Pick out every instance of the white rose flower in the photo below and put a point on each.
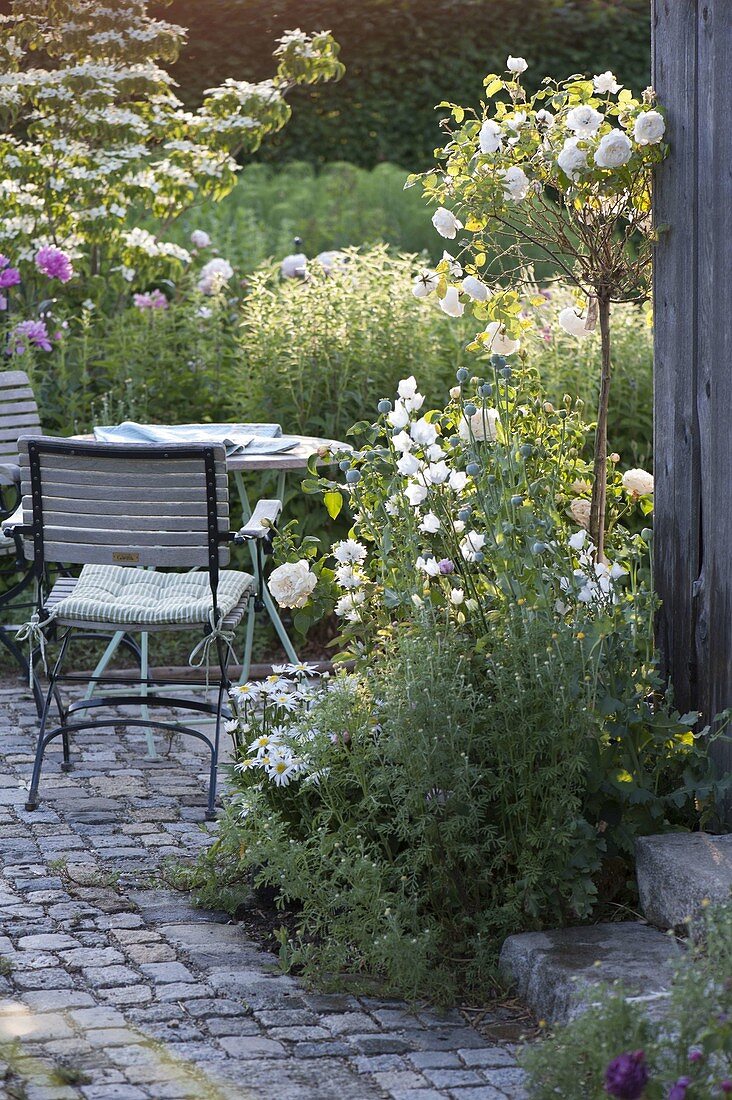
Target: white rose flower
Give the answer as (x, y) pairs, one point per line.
(638, 482)
(415, 494)
(214, 275)
(423, 433)
(490, 138)
(516, 64)
(200, 239)
(451, 304)
(649, 128)
(475, 289)
(516, 121)
(572, 160)
(398, 417)
(409, 465)
(446, 224)
(515, 183)
(614, 150)
(430, 524)
(579, 510)
(584, 121)
(617, 572)
(425, 283)
(471, 545)
(435, 452)
(457, 596)
(499, 343)
(606, 82)
(545, 118)
(480, 426)
(292, 583)
(572, 323)
(577, 540)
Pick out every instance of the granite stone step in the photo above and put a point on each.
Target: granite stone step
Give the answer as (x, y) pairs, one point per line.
(557, 973)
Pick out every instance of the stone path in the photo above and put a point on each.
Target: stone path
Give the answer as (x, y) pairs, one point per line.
(114, 988)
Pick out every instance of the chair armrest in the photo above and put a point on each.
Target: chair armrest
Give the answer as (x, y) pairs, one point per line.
(13, 523)
(9, 474)
(261, 521)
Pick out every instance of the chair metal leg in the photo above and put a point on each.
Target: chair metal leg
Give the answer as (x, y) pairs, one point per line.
(32, 801)
(246, 661)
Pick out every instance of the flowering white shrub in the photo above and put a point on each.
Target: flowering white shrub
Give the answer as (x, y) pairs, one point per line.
(100, 131)
(566, 173)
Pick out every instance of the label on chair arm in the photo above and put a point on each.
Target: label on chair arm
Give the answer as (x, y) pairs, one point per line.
(125, 555)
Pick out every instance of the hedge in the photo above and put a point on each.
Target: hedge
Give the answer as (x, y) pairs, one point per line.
(402, 57)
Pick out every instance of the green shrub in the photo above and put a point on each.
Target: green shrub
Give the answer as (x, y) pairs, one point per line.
(338, 207)
(689, 1047)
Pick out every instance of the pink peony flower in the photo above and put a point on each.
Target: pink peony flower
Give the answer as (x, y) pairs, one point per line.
(54, 263)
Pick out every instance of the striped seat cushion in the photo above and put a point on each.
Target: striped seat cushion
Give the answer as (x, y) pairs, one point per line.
(115, 594)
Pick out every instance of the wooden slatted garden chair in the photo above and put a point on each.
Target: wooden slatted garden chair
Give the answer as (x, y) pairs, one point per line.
(113, 508)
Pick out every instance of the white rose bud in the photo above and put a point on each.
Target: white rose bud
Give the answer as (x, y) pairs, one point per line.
(516, 64)
(579, 510)
(292, 583)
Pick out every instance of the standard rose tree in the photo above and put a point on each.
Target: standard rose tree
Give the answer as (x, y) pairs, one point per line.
(564, 175)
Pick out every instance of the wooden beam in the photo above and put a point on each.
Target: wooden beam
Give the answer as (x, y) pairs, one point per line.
(692, 60)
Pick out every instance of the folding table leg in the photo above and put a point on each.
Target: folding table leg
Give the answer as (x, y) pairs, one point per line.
(152, 752)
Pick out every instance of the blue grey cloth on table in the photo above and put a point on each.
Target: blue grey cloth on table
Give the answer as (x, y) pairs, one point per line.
(237, 438)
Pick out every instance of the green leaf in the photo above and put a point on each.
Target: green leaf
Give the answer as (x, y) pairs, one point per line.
(334, 503)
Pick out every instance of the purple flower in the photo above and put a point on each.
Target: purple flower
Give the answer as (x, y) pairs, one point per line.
(726, 1086)
(696, 1056)
(627, 1076)
(9, 276)
(446, 567)
(678, 1091)
(54, 263)
(154, 300)
(27, 334)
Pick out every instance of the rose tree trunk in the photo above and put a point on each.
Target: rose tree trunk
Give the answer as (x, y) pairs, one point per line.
(599, 484)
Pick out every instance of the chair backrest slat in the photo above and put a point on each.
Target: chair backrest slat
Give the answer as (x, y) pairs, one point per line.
(18, 411)
(124, 504)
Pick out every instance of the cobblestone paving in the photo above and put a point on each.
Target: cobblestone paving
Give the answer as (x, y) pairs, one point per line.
(112, 988)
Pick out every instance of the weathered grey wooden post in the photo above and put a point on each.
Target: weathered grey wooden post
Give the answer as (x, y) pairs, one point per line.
(692, 73)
